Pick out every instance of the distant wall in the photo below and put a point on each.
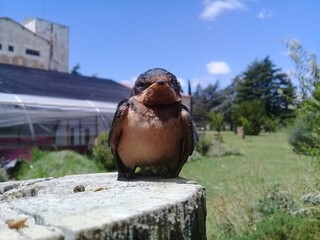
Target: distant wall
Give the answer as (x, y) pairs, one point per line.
(58, 37)
(37, 43)
(20, 46)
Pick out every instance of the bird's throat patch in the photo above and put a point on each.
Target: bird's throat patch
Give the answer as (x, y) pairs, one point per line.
(158, 94)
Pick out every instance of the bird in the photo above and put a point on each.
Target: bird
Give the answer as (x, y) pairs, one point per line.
(152, 130)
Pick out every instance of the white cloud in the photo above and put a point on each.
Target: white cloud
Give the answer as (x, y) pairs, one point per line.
(264, 14)
(216, 68)
(213, 8)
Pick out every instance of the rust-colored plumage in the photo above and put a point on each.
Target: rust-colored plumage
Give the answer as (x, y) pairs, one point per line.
(152, 129)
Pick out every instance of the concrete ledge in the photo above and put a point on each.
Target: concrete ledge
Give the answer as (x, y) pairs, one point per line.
(106, 209)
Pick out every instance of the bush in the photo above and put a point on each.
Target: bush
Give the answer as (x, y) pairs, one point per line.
(3, 175)
(276, 201)
(203, 145)
(250, 115)
(57, 164)
(301, 137)
(102, 154)
(284, 226)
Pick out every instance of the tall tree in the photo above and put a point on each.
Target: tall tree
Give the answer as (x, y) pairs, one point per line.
(264, 82)
(228, 96)
(306, 66)
(204, 100)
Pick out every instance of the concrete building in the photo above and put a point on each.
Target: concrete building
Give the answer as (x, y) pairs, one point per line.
(35, 43)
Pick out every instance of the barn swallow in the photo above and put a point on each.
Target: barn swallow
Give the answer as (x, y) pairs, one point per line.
(152, 129)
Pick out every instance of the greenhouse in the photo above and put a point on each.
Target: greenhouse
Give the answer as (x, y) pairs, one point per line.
(59, 111)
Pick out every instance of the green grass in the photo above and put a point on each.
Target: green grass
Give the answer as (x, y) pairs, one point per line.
(235, 184)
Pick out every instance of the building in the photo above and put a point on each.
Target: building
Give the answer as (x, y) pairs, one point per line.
(53, 110)
(35, 43)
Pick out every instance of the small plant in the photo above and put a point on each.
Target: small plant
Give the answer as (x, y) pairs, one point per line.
(216, 123)
(272, 124)
(57, 164)
(275, 201)
(203, 145)
(284, 226)
(3, 175)
(102, 154)
(37, 154)
(301, 136)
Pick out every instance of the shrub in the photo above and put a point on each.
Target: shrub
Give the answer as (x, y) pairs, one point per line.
(271, 124)
(203, 145)
(36, 154)
(301, 137)
(216, 123)
(101, 153)
(57, 164)
(276, 201)
(284, 226)
(250, 115)
(3, 175)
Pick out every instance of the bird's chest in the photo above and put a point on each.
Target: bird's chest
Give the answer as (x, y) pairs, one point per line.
(150, 138)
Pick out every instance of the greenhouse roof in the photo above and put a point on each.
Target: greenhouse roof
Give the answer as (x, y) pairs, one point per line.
(36, 82)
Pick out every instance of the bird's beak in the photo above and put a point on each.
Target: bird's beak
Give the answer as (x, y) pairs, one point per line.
(159, 93)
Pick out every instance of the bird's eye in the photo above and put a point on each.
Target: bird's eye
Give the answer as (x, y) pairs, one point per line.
(141, 85)
(175, 85)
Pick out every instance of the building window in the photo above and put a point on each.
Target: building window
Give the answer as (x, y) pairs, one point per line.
(0, 46)
(32, 52)
(10, 48)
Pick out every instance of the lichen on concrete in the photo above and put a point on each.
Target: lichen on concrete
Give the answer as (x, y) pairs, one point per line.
(104, 208)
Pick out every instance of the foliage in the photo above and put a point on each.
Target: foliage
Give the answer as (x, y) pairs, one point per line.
(101, 153)
(305, 136)
(271, 124)
(301, 137)
(3, 175)
(264, 82)
(307, 68)
(56, 164)
(228, 96)
(284, 226)
(203, 145)
(274, 201)
(216, 122)
(250, 115)
(205, 100)
(37, 153)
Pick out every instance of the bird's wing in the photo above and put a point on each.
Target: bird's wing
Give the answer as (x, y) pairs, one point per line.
(116, 126)
(187, 142)
(116, 131)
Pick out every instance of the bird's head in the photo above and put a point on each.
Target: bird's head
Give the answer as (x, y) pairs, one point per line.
(157, 87)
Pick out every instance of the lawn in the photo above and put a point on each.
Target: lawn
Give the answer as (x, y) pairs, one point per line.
(235, 184)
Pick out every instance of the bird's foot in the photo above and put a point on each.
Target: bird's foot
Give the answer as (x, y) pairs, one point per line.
(124, 176)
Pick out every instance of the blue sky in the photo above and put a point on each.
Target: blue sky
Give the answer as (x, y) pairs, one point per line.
(198, 40)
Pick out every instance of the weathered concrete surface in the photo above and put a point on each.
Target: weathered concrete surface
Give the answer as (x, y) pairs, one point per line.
(107, 209)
